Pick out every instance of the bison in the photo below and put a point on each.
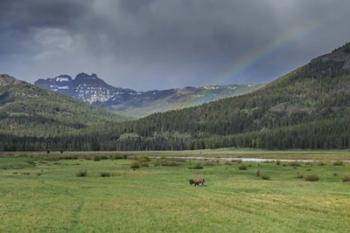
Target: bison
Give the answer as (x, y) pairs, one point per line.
(197, 181)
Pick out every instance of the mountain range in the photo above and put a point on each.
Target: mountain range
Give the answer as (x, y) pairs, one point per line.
(137, 104)
(306, 108)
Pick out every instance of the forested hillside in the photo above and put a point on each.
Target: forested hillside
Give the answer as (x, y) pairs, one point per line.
(31, 111)
(307, 108)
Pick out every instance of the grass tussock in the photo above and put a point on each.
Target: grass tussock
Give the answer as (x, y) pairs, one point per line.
(346, 178)
(338, 163)
(69, 157)
(82, 173)
(105, 174)
(258, 173)
(195, 166)
(119, 157)
(167, 163)
(312, 178)
(295, 164)
(143, 159)
(265, 177)
(243, 167)
(135, 165)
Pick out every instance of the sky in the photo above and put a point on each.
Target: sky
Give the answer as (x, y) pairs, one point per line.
(158, 44)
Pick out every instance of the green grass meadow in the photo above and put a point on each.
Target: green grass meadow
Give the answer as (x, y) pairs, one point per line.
(39, 194)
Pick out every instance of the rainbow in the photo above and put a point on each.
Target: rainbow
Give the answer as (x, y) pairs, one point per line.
(244, 63)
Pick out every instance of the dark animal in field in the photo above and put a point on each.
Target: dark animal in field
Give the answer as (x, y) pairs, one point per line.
(197, 181)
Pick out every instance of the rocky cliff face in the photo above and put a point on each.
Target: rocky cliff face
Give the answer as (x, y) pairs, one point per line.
(88, 88)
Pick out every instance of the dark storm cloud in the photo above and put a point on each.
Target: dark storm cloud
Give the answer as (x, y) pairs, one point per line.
(20, 21)
(148, 44)
(41, 13)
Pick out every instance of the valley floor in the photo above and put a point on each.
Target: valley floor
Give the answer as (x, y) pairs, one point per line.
(45, 193)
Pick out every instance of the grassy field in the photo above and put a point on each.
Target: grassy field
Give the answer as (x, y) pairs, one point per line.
(39, 194)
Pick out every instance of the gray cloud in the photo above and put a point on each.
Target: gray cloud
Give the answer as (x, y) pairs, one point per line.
(147, 44)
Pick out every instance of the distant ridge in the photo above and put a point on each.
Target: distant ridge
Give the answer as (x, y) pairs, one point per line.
(135, 104)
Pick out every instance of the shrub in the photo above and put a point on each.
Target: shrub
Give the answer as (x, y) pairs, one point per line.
(38, 173)
(312, 178)
(335, 174)
(243, 167)
(300, 176)
(156, 163)
(100, 157)
(143, 159)
(105, 174)
(265, 177)
(346, 178)
(69, 157)
(278, 162)
(338, 163)
(135, 165)
(308, 170)
(295, 164)
(115, 157)
(169, 163)
(321, 164)
(258, 173)
(81, 173)
(196, 166)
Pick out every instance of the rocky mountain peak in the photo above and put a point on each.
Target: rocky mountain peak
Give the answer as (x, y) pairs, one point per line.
(85, 76)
